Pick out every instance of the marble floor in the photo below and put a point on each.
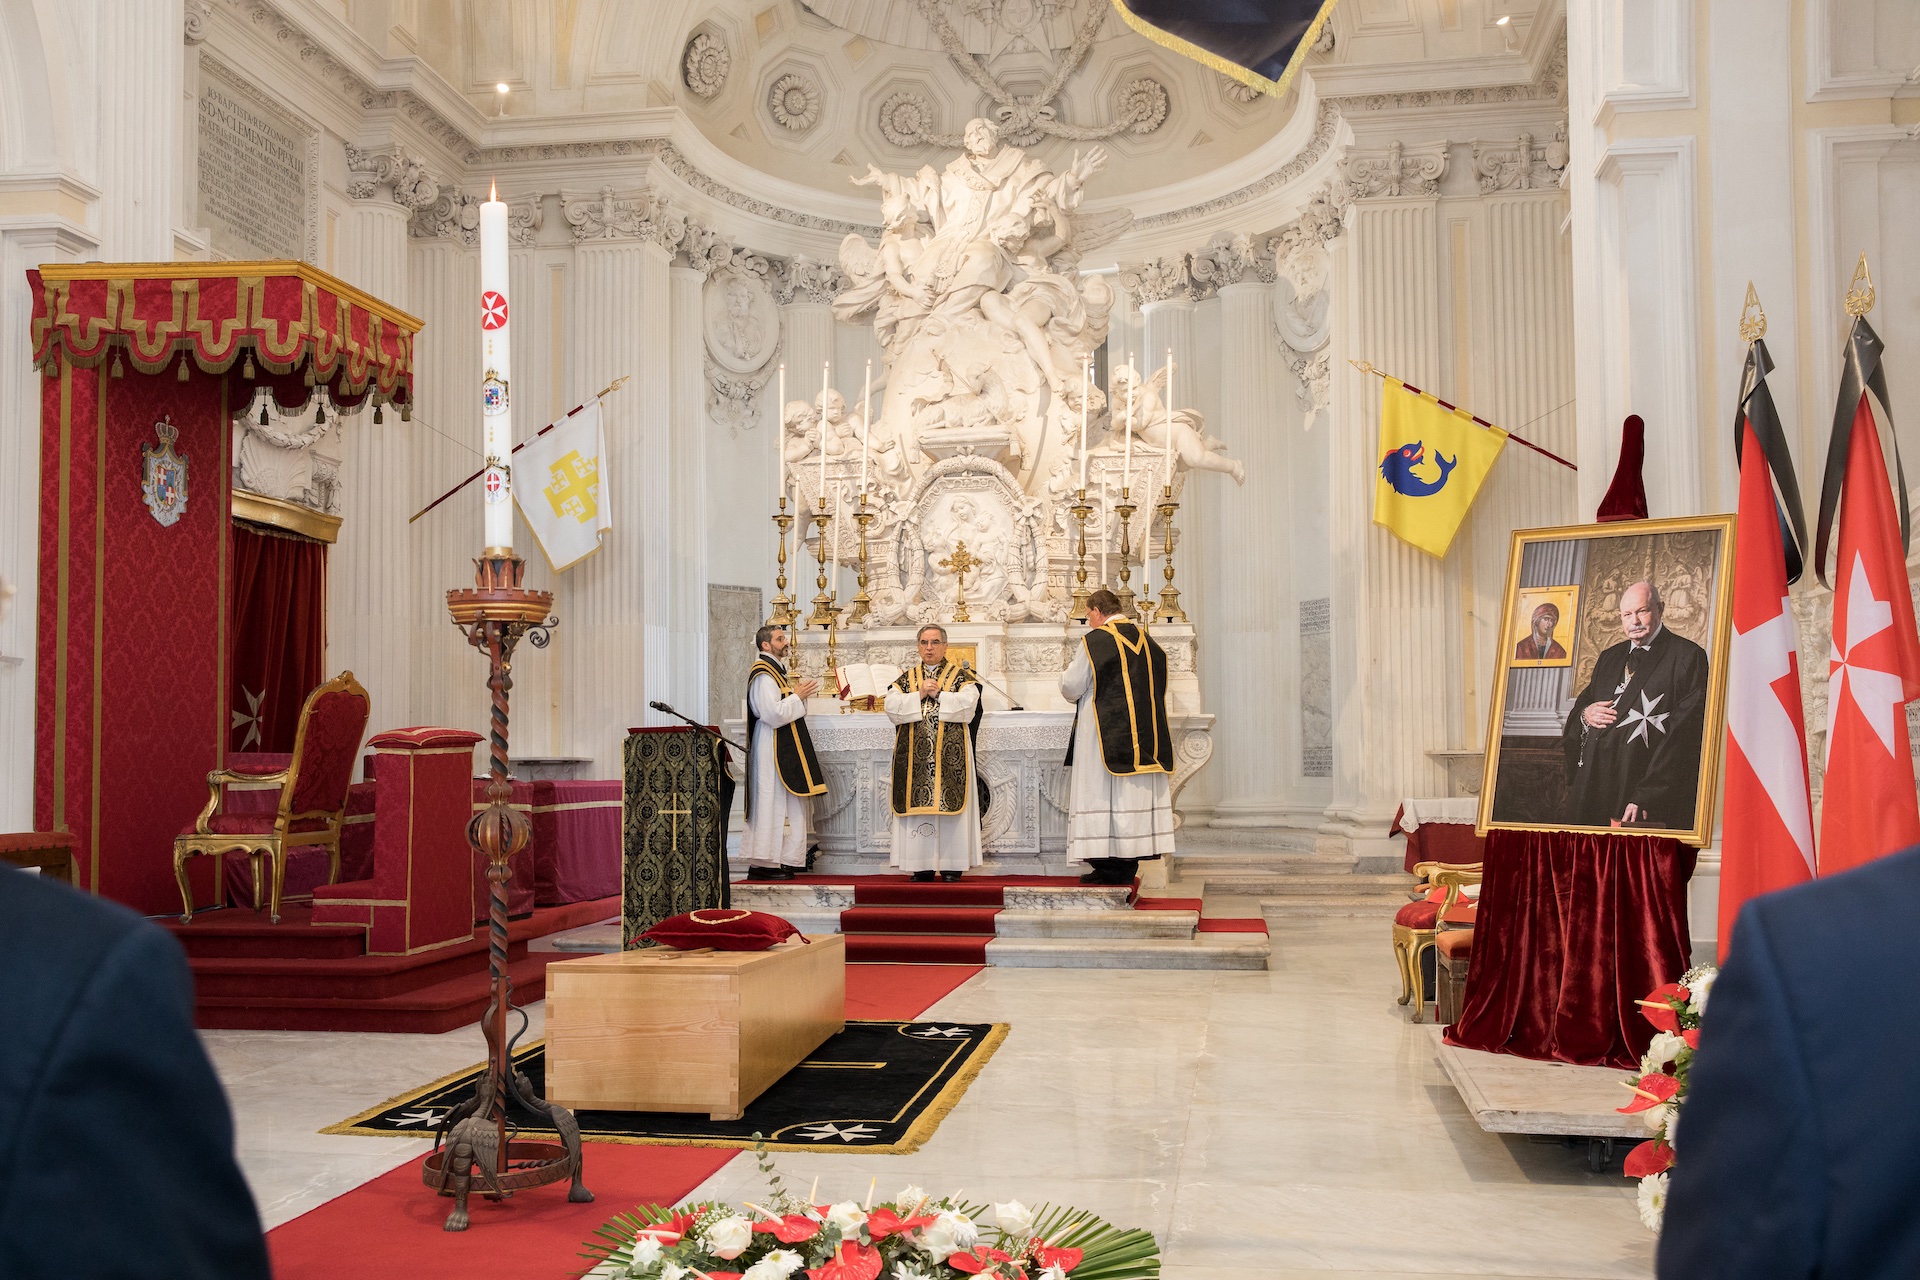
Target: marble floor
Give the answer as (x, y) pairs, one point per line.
(1264, 1125)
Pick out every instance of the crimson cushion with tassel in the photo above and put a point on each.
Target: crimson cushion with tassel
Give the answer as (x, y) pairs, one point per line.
(722, 930)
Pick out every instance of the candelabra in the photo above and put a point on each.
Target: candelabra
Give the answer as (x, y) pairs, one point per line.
(862, 606)
(782, 615)
(823, 610)
(1081, 509)
(1126, 508)
(473, 1145)
(1170, 610)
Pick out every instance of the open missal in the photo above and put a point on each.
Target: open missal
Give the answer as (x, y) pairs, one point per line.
(865, 684)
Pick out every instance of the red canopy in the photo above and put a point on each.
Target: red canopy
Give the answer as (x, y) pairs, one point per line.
(301, 326)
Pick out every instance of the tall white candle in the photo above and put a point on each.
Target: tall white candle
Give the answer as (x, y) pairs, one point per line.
(780, 439)
(1169, 415)
(496, 364)
(833, 583)
(1126, 466)
(826, 372)
(1086, 393)
(1106, 530)
(866, 424)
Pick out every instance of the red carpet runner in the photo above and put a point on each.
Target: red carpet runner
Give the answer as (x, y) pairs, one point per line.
(389, 1228)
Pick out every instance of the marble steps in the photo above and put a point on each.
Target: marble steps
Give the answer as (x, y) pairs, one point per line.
(1203, 951)
(1305, 908)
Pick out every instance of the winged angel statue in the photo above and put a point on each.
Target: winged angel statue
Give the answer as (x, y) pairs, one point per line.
(975, 294)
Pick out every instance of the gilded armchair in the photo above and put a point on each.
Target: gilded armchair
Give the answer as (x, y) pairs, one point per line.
(1438, 903)
(313, 798)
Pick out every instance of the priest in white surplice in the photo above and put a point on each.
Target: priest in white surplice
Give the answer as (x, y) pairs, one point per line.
(935, 707)
(1121, 758)
(782, 771)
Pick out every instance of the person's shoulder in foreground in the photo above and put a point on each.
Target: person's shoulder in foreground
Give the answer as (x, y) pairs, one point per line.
(116, 1143)
(1795, 1151)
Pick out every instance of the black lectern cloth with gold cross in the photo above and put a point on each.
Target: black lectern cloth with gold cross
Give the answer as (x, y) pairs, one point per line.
(678, 793)
(930, 754)
(1129, 700)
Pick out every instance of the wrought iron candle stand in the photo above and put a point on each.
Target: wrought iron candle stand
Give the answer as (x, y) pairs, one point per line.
(1081, 509)
(474, 1147)
(1170, 610)
(1126, 508)
(782, 603)
(862, 605)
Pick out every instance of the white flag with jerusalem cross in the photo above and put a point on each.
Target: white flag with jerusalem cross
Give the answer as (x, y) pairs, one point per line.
(560, 484)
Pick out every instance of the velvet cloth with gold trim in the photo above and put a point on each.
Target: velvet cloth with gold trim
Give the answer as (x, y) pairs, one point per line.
(1260, 43)
(674, 827)
(1129, 700)
(931, 756)
(800, 771)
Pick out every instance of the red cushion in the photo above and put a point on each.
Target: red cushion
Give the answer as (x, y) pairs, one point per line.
(723, 930)
(1462, 912)
(422, 739)
(1455, 943)
(1417, 915)
(253, 824)
(35, 841)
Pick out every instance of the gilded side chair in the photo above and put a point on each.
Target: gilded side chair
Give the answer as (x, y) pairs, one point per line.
(1437, 902)
(313, 799)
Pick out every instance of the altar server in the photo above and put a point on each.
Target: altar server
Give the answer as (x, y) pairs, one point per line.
(1121, 755)
(782, 771)
(935, 708)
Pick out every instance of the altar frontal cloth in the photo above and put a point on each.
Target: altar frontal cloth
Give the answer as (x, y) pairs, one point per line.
(878, 1088)
(674, 831)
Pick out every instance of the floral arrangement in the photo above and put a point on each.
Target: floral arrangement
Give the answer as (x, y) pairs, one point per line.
(1674, 1009)
(914, 1236)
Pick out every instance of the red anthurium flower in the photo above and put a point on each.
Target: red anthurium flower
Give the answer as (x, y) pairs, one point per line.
(670, 1231)
(884, 1222)
(979, 1260)
(791, 1229)
(1658, 1009)
(854, 1261)
(1651, 1091)
(1692, 1036)
(1065, 1259)
(1648, 1158)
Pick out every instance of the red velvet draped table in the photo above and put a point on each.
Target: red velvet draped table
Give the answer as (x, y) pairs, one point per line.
(1573, 928)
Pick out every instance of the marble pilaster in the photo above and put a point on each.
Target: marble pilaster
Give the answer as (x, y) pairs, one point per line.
(138, 68)
(686, 669)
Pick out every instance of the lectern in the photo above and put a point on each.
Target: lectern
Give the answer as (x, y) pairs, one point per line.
(674, 829)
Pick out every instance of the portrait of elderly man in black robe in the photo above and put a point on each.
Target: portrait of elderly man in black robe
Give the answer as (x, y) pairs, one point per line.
(1633, 738)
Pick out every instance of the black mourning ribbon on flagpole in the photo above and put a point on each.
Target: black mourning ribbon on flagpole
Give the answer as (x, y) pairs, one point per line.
(1756, 410)
(1861, 372)
(1263, 39)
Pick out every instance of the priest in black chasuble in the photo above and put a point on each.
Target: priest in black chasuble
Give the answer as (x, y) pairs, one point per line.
(935, 708)
(1120, 759)
(1633, 738)
(782, 771)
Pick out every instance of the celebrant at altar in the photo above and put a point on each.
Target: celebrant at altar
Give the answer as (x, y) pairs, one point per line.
(782, 771)
(1121, 754)
(935, 708)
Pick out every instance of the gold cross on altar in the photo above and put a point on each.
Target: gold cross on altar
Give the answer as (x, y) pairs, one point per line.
(676, 815)
(959, 564)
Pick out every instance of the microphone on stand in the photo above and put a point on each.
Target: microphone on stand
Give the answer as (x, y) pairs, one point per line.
(704, 728)
(1013, 702)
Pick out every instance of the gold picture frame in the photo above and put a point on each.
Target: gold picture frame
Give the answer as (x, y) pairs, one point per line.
(1534, 757)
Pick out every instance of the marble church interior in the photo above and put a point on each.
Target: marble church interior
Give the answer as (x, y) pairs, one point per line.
(1545, 211)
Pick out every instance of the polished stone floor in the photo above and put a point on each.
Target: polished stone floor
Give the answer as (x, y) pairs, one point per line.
(1263, 1125)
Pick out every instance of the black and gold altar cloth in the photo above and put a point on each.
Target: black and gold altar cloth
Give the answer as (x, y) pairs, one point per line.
(930, 755)
(1129, 699)
(674, 828)
(877, 1088)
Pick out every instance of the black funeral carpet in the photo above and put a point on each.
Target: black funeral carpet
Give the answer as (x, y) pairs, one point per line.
(877, 1087)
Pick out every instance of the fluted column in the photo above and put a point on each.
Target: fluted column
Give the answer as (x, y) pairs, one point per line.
(618, 600)
(810, 344)
(1395, 626)
(1249, 627)
(686, 675)
(369, 570)
(137, 94)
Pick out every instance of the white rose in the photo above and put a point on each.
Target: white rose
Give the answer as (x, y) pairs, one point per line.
(847, 1216)
(909, 1197)
(674, 1271)
(1659, 1118)
(728, 1238)
(1053, 1273)
(1653, 1200)
(777, 1265)
(949, 1233)
(1665, 1048)
(646, 1252)
(1699, 988)
(1014, 1218)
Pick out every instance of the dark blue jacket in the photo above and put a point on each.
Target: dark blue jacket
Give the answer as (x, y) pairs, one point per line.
(116, 1145)
(1798, 1147)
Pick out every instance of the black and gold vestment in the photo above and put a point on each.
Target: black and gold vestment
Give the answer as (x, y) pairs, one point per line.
(930, 755)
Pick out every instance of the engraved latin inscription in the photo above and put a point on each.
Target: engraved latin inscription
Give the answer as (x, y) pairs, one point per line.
(253, 179)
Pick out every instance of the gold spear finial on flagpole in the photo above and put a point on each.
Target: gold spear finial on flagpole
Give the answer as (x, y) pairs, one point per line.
(1860, 292)
(1753, 318)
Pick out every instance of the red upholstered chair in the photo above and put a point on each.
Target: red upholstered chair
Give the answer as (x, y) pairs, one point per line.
(313, 797)
(1453, 954)
(1416, 925)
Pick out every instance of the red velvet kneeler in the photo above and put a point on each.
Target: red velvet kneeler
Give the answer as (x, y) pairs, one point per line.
(1573, 928)
(423, 868)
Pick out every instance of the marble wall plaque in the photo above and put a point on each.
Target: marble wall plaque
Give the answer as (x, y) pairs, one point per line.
(733, 615)
(257, 173)
(1316, 688)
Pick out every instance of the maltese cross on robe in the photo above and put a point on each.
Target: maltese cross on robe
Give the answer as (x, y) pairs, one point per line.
(1642, 716)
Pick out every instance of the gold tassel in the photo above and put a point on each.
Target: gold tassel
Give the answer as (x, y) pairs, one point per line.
(246, 370)
(116, 371)
(377, 418)
(183, 364)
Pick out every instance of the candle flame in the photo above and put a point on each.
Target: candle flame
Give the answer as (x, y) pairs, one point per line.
(493, 190)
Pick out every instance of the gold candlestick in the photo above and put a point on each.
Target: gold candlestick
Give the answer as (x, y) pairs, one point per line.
(1081, 509)
(782, 615)
(862, 606)
(959, 563)
(1126, 508)
(1170, 610)
(822, 615)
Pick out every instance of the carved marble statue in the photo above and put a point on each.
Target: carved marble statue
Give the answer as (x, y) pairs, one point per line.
(1193, 448)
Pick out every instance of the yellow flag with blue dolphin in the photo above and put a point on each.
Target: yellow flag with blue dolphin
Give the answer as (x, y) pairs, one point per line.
(1432, 462)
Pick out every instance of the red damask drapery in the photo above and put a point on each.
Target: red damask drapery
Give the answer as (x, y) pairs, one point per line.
(1573, 928)
(278, 643)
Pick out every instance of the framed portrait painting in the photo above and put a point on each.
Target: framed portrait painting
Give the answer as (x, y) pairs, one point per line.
(1609, 704)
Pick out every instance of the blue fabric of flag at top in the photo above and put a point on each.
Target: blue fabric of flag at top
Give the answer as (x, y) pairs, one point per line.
(1258, 42)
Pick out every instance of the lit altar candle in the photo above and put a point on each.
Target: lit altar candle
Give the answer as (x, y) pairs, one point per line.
(780, 439)
(496, 364)
(826, 372)
(1126, 466)
(1086, 393)
(866, 425)
(1169, 416)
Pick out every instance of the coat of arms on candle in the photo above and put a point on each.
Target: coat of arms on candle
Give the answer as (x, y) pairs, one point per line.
(493, 394)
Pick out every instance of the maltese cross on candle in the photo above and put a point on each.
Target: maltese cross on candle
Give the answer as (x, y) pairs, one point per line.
(496, 358)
